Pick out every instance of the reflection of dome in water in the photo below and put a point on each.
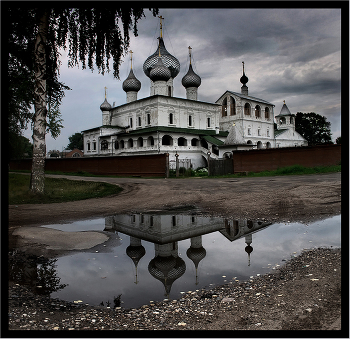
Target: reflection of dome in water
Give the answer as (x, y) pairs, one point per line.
(167, 270)
(196, 254)
(249, 249)
(135, 253)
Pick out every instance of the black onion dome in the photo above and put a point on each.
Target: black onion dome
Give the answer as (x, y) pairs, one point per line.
(249, 249)
(131, 83)
(167, 270)
(135, 253)
(105, 106)
(191, 79)
(168, 60)
(244, 79)
(196, 254)
(159, 72)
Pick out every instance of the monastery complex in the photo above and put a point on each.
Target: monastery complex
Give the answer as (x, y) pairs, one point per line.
(185, 127)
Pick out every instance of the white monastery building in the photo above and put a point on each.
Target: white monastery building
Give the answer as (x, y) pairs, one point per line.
(185, 127)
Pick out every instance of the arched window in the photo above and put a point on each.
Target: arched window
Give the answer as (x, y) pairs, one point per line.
(88, 145)
(208, 122)
(291, 120)
(140, 142)
(246, 109)
(267, 113)
(167, 140)
(259, 144)
(130, 122)
(232, 106)
(139, 121)
(76, 155)
(182, 142)
(249, 142)
(171, 118)
(282, 121)
(116, 144)
(104, 144)
(150, 141)
(257, 111)
(122, 144)
(268, 145)
(130, 143)
(194, 142)
(224, 108)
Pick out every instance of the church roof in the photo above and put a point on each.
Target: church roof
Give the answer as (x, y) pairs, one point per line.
(201, 132)
(280, 131)
(284, 111)
(248, 97)
(213, 140)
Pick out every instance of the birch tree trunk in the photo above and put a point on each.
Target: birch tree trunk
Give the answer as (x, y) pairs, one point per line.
(39, 120)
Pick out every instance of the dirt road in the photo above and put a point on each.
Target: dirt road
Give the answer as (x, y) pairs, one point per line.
(293, 198)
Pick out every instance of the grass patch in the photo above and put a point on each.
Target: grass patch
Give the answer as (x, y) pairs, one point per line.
(289, 170)
(57, 190)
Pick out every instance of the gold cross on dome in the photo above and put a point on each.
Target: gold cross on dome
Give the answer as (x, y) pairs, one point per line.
(105, 92)
(131, 57)
(189, 52)
(161, 26)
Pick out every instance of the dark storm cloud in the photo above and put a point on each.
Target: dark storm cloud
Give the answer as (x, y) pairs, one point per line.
(322, 87)
(300, 34)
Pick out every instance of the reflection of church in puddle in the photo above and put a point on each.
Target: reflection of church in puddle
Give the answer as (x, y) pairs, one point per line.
(166, 230)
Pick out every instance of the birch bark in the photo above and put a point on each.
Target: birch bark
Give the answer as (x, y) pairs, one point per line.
(39, 120)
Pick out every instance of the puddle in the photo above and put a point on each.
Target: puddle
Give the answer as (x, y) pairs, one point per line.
(153, 256)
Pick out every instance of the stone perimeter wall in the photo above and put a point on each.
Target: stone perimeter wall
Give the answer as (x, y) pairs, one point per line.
(274, 158)
(142, 165)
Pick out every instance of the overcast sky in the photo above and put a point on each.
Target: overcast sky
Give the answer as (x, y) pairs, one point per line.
(289, 54)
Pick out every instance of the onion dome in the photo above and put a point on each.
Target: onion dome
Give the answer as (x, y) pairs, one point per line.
(135, 253)
(191, 79)
(244, 79)
(105, 106)
(169, 60)
(159, 72)
(167, 270)
(131, 83)
(196, 254)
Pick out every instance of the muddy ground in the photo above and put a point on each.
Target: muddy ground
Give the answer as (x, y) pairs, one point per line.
(305, 294)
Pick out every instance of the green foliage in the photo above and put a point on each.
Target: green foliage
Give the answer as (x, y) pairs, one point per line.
(57, 190)
(338, 141)
(314, 128)
(76, 141)
(92, 35)
(19, 146)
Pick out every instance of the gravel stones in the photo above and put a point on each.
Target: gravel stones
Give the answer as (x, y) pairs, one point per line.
(284, 299)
